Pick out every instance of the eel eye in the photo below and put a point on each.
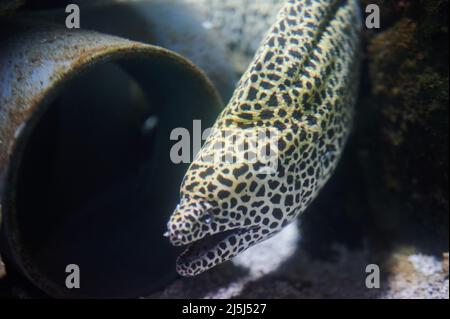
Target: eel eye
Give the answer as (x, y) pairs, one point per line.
(206, 218)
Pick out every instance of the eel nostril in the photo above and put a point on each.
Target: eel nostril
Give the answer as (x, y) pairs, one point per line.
(187, 227)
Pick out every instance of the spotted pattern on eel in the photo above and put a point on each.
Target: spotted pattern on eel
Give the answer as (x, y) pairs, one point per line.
(302, 83)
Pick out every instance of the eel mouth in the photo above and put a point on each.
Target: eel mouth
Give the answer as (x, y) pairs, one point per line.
(211, 250)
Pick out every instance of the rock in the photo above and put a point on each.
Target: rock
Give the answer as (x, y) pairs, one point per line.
(408, 66)
(416, 276)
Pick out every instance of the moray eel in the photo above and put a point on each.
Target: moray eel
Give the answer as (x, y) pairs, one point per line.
(301, 84)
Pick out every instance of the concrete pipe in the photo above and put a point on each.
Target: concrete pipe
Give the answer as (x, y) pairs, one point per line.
(86, 174)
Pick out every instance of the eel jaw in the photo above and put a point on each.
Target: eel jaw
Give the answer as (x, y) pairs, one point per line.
(211, 250)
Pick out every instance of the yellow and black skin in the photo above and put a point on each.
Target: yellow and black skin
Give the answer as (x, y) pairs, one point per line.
(302, 83)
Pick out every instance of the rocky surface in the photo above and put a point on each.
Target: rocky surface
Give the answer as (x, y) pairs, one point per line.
(407, 99)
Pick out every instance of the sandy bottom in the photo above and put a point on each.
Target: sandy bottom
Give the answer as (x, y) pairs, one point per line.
(277, 268)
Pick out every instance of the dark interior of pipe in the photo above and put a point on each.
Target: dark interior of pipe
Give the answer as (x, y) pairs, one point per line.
(95, 184)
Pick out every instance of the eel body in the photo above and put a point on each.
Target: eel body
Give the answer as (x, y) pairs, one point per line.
(300, 87)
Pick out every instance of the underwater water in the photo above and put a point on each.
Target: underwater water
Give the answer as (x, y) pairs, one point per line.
(97, 184)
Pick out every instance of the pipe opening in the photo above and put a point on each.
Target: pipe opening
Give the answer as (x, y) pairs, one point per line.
(94, 184)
